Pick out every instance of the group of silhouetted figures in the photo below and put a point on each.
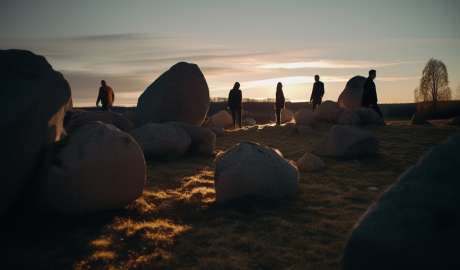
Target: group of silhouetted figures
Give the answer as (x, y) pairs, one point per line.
(369, 98)
(106, 97)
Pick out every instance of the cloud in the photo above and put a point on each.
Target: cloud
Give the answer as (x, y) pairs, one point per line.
(329, 64)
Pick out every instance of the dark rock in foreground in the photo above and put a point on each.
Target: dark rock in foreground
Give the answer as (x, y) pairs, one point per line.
(250, 169)
(35, 98)
(97, 168)
(415, 224)
(180, 94)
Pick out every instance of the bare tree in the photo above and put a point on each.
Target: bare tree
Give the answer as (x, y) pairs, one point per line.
(434, 84)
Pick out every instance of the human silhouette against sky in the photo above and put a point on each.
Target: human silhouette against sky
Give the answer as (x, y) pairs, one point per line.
(317, 93)
(369, 98)
(106, 96)
(279, 103)
(234, 104)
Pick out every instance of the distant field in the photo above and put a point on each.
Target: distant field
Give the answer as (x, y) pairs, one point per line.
(176, 224)
(263, 112)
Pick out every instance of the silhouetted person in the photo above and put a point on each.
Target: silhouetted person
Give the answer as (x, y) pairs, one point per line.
(317, 93)
(369, 99)
(234, 104)
(105, 96)
(279, 103)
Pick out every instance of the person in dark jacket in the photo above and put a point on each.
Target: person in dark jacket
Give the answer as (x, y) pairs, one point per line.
(369, 98)
(234, 104)
(279, 103)
(317, 93)
(106, 96)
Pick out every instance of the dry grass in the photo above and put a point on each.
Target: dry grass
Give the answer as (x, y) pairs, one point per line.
(176, 224)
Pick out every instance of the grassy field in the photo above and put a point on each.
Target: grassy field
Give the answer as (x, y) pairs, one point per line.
(176, 224)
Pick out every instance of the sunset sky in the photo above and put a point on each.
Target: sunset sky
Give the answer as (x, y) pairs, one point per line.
(130, 43)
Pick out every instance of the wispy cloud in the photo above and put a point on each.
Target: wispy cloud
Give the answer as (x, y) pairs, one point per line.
(329, 64)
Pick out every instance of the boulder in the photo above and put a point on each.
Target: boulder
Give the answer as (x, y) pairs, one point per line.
(78, 118)
(251, 169)
(221, 119)
(348, 117)
(219, 131)
(328, 111)
(249, 121)
(203, 140)
(97, 168)
(286, 116)
(351, 96)
(180, 94)
(369, 117)
(164, 141)
(455, 121)
(35, 99)
(310, 163)
(419, 119)
(414, 224)
(305, 117)
(347, 142)
(304, 130)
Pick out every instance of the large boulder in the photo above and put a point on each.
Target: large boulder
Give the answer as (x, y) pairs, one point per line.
(310, 163)
(348, 117)
(415, 223)
(203, 140)
(35, 99)
(347, 142)
(77, 118)
(286, 116)
(180, 94)
(250, 169)
(368, 116)
(97, 168)
(455, 121)
(221, 119)
(328, 111)
(351, 96)
(305, 117)
(163, 141)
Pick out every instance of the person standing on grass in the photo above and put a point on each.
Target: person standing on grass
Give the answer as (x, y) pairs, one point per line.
(279, 103)
(317, 93)
(106, 96)
(369, 98)
(235, 98)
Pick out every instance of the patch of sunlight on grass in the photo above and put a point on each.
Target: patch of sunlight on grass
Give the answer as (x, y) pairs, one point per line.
(156, 230)
(101, 242)
(104, 255)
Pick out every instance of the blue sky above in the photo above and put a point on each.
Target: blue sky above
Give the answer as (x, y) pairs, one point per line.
(130, 43)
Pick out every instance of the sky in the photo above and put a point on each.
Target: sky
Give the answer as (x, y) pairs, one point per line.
(258, 43)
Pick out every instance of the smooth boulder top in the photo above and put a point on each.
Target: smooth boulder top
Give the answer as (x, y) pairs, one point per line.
(251, 169)
(415, 223)
(179, 94)
(162, 141)
(221, 119)
(351, 96)
(305, 117)
(347, 142)
(97, 168)
(77, 118)
(36, 98)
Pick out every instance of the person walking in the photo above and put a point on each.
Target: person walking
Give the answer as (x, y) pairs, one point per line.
(317, 93)
(235, 104)
(279, 103)
(106, 96)
(369, 98)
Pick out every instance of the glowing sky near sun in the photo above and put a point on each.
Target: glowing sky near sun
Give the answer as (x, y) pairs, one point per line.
(130, 43)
